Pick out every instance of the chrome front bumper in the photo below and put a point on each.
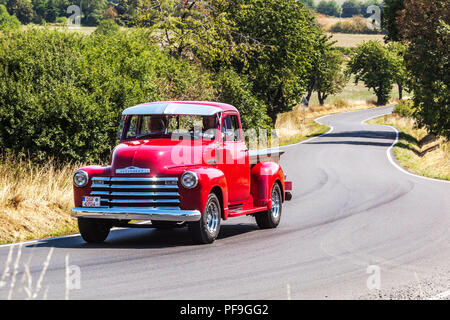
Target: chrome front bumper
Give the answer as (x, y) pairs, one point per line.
(117, 213)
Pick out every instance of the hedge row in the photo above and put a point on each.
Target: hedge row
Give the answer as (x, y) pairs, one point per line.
(61, 94)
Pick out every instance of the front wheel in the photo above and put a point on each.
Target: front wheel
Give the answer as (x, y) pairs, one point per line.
(93, 230)
(271, 218)
(207, 228)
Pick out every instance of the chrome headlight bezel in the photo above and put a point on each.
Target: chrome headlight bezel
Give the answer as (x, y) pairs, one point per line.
(80, 179)
(189, 175)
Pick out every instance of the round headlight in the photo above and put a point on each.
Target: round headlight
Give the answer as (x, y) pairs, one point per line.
(189, 180)
(80, 179)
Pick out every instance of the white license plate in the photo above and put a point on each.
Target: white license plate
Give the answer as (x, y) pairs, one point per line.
(91, 202)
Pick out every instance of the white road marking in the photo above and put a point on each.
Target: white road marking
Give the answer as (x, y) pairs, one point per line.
(38, 240)
(389, 152)
(313, 138)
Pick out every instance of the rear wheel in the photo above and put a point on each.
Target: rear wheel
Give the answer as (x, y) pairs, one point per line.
(271, 218)
(93, 230)
(207, 228)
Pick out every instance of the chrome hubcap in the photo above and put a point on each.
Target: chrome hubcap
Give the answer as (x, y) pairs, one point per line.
(275, 204)
(212, 217)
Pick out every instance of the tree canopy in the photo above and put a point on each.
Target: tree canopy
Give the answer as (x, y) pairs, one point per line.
(373, 64)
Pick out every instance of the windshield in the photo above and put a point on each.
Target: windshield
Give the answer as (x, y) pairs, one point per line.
(170, 126)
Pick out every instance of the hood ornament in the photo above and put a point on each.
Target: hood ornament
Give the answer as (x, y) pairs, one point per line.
(132, 170)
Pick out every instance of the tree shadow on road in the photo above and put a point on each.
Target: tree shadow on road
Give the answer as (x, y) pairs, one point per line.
(357, 143)
(367, 134)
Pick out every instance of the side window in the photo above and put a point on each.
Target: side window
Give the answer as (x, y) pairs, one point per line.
(236, 129)
(230, 128)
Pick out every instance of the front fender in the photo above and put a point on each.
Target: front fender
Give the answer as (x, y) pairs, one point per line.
(79, 193)
(264, 174)
(208, 179)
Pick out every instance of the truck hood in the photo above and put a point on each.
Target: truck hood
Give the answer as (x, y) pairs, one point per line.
(160, 155)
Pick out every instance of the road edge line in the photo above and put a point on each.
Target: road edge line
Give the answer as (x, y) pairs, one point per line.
(391, 156)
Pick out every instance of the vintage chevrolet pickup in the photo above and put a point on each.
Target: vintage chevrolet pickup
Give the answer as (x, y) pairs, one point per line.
(180, 163)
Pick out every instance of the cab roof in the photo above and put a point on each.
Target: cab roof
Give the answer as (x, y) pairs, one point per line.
(201, 108)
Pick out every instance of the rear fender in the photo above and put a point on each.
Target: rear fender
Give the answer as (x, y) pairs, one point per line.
(263, 176)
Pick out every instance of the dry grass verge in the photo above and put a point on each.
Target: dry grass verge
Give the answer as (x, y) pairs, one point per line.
(298, 124)
(35, 201)
(418, 151)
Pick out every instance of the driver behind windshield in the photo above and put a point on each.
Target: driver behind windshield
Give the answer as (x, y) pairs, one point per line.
(156, 125)
(209, 127)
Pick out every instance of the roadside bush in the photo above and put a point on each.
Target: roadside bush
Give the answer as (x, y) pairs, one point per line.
(404, 108)
(7, 21)
(107, 27)
(61, 93)
(61, 21)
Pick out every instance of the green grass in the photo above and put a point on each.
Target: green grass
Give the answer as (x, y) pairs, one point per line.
(426, 159)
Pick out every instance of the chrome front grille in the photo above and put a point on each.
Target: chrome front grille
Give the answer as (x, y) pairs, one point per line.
(152, 193)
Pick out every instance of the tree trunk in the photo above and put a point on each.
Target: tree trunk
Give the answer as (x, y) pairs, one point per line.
(400, 91)
(321, 97)
(310, 91)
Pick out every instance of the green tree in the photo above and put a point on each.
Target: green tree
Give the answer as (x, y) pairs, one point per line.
(373, 64)
(22, 9)
(391, 10)
(329, 8)
(351, 8)
(398, 52)
(7, 22)
(92, 11)
(107, 27)
(331, 79)
(40, 8)
(309, 3)
(424, 26)
(286, 36)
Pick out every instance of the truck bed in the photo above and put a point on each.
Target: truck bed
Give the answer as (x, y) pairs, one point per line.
(256, 156)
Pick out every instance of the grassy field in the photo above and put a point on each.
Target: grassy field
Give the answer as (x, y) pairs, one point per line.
(417, 151)
(347, 40)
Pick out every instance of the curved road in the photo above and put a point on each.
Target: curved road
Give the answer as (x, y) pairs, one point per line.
(352, 208)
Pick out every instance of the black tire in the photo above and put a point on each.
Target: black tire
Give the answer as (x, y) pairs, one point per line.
(207, 229)
(271, 218)
(94, 230)
(162, 225)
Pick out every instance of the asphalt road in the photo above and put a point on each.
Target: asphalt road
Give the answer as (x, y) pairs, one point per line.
(354, 219)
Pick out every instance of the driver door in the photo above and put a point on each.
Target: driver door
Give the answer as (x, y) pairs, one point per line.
(235, 162)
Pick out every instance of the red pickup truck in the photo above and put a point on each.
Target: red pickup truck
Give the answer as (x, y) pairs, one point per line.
(180, 163)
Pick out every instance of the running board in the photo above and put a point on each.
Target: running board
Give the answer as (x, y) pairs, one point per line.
(241, 212)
